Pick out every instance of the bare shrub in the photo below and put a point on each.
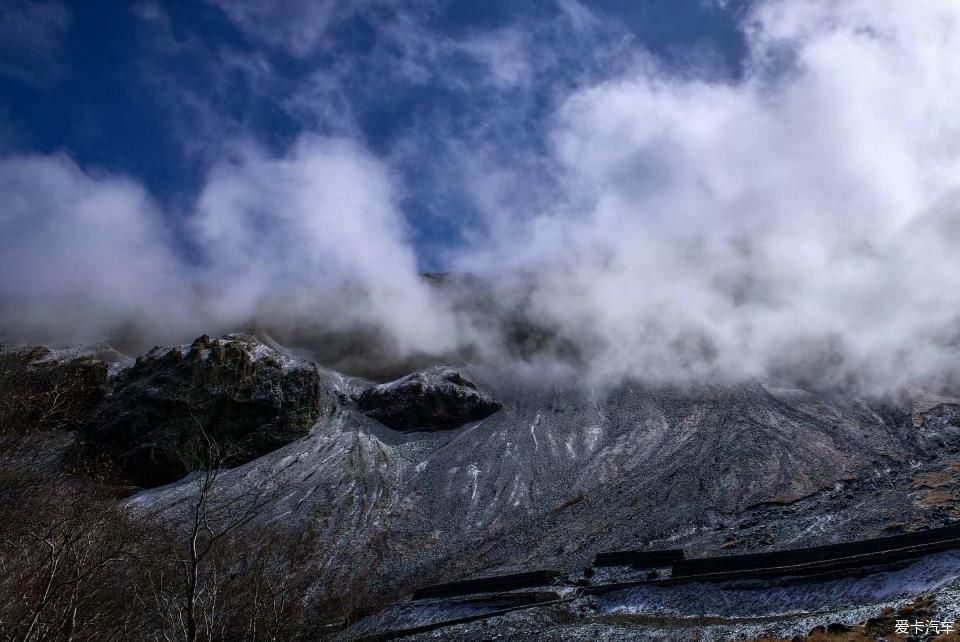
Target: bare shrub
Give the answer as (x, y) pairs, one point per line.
(76, 564)
(66, 563)
(36, 395)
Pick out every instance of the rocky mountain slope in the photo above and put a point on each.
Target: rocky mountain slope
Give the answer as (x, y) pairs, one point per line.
(464, 470)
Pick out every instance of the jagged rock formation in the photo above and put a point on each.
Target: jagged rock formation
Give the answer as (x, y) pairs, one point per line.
(436, 399)
(246, 397)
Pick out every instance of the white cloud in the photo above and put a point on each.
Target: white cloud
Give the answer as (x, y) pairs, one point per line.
(505, 54)
(800, 221)
(304, 224)
(80, 255)
(294, 26)
(312, 237)
(734, 225)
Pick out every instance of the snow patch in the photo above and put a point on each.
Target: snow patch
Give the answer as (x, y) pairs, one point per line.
(473, 472)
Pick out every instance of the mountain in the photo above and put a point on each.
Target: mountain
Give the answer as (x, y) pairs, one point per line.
(464, 470)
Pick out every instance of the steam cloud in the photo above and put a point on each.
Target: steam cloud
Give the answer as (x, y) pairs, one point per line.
(801, 222)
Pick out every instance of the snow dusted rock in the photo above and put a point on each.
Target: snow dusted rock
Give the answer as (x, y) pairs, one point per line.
(244, 394)
(439, 398)
(561, 473)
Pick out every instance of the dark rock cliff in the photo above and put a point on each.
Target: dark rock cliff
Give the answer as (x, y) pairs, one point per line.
(235, 391)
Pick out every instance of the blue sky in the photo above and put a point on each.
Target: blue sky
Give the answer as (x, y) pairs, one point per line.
(158, 91)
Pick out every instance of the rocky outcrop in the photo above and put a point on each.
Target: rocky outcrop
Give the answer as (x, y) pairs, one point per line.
(236, 392)
(923, 405)
(436, 399)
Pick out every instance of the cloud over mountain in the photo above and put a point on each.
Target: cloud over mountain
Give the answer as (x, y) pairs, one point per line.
(799, 220)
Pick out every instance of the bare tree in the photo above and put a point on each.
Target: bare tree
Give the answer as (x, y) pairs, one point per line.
(197, 599)
(64, 545)
(76, 564)
(65, 559)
